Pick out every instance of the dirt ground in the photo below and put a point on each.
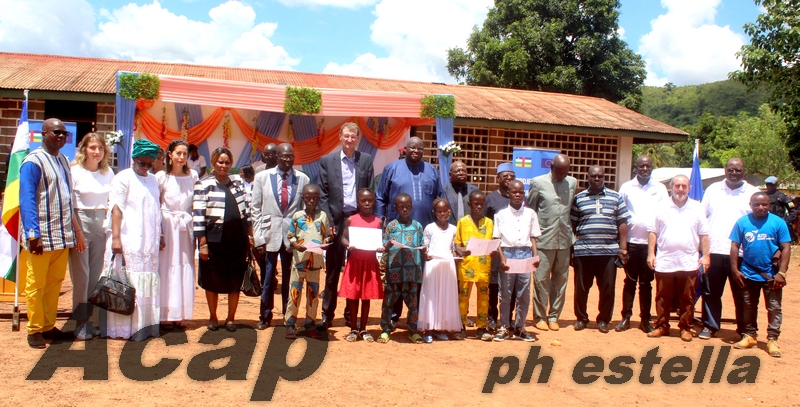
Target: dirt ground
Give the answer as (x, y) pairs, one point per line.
(397, 373)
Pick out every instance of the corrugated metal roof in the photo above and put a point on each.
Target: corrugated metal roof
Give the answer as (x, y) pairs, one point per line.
(93, 75)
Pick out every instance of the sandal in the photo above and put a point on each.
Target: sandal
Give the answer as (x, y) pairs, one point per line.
(415, 338)
(230, 327)
(212, 326)
(366, 336)
(384, 338)
(352, 337)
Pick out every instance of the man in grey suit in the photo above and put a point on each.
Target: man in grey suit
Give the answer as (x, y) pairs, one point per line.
(341, 175)
(457, 192)
(550, 195)
(276, 197)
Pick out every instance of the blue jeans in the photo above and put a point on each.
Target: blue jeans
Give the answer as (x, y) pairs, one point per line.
(519, 284)
(268, 277)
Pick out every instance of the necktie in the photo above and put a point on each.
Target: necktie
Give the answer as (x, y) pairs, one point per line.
(460, 206)
(284, 192)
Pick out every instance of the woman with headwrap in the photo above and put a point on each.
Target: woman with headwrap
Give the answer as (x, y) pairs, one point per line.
(135, 233)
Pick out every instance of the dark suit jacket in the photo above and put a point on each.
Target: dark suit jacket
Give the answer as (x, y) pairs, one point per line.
(451, 196)
(331, 197)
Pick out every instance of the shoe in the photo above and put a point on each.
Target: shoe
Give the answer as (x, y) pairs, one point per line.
(392, 325)
(352, 336)
(460, 335)
(441, 336)
(36, 341)
(291, 333)
(427, 338)
(542, 325)
(93, 330)
(325, 322)
(415, 338)
(772, 348)
(602, 327)
(384, 338)
(623, 325)
(553, 325)
(491, 325)
(747, 342)
(645, 326)
(483, 335)
(659, 332)
(579, 325)
(212, 327)
(82, 332)
(261, 325)
(705, 335)
(501, 335)
(524, 335)
(57, 335)
(686, 335)
(165, 326)
(366, 336)
(313, 332)
(230, 327)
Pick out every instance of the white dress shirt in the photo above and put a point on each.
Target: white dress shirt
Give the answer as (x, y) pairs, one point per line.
(724, 206)
(642, 201)
(678, 231)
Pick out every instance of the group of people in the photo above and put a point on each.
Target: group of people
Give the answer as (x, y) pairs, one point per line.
(91, 218)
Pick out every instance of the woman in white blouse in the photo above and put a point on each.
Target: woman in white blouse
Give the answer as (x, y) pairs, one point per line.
(92, 177)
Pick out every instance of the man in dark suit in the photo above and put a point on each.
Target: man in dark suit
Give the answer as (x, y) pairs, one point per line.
(458, 189)
(341, 175)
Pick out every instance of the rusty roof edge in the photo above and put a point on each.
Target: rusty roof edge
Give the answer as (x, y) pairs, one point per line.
(562, 128)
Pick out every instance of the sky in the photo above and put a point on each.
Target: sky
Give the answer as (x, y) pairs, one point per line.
(685, 42)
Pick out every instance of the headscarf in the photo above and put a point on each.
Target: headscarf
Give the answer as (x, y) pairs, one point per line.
(145, 148)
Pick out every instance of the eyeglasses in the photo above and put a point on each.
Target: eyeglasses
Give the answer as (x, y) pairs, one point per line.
(735, 170)
(60, 132)
(143, 164)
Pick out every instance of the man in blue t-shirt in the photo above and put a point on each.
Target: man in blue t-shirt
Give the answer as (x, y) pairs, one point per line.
(764, 240)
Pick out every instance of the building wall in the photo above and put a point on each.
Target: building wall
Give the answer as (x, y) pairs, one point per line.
(484, 148)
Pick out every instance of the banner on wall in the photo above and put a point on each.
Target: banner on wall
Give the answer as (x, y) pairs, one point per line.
(532, 162)
(36, 137)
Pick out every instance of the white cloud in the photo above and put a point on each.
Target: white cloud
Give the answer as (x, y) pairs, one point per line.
(416, 34)
(47, 26)
(334, 3)
(686, 47)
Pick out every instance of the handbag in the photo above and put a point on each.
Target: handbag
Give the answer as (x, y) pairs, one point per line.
(113, 295)
(251, 285)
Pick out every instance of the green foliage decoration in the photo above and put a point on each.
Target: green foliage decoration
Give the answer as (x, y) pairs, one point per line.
(139, 86)
(302, 100)
(434, 106)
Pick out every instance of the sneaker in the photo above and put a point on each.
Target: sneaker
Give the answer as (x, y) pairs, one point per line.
(352, 337)
(92, 329)
(491, 325)
(427, 338)
(706, 334)
(82, 332)
(460, 335)
(483, 335)
(524, 335)
(772, 348)
(291, 333)
(747, 342)
(441, 336)
(501, 335)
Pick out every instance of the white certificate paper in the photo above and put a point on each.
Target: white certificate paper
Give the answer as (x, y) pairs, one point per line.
(482, 247)
(438, 257)
(399, 245)
(521, 266)
(365, 238)
(312, 247)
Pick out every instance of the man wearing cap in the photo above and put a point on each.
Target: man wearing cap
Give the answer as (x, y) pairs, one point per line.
(457, 192)
(779, 203)
(551, 195)
(642, 196)
(49, 230)
(724, 202)
(496, 201)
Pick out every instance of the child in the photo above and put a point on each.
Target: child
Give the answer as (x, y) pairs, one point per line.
(438, 299)
(474, 269)
(517, 226)
(307, 226)
(403, 267)
(361, 279)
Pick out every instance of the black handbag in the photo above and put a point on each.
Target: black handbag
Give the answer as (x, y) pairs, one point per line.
(251, 285)
(112, 295)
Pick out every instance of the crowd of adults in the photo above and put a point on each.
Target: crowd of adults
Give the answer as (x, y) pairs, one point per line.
(85, 215)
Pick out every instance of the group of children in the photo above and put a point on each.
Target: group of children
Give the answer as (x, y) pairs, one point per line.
(437, 295)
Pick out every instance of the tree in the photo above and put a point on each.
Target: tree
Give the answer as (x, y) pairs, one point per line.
(772, 59)
(566, 46)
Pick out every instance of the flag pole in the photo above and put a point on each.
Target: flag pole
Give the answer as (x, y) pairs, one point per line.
(15, 317)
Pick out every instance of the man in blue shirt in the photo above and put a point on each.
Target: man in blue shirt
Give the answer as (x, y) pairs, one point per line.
(764, 240)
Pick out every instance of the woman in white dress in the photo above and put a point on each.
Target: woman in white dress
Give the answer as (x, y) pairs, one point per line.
(438, 299)
(176, 264)
(135, 232)
(91, 177)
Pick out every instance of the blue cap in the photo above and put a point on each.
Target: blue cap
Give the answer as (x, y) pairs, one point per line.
(771, 180)
(505, 167)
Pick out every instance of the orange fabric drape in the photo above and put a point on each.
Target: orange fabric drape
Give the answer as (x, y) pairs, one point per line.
(397, 132)
(151, 128)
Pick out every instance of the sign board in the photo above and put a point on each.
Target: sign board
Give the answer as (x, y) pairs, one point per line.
(532, 162)
(36, 137)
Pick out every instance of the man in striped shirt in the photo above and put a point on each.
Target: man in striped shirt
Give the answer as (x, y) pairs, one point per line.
(600, 222)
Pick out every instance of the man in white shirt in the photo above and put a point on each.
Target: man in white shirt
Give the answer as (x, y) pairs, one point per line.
(724, 202)
(196, 161)
(678, 230)
(642, 196)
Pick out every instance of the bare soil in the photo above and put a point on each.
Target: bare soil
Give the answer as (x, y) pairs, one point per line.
(397, 373)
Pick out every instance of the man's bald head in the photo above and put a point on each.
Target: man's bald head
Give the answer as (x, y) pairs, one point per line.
(560, 167)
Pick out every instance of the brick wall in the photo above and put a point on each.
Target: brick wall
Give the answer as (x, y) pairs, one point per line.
(10, 110)
(484, 148)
